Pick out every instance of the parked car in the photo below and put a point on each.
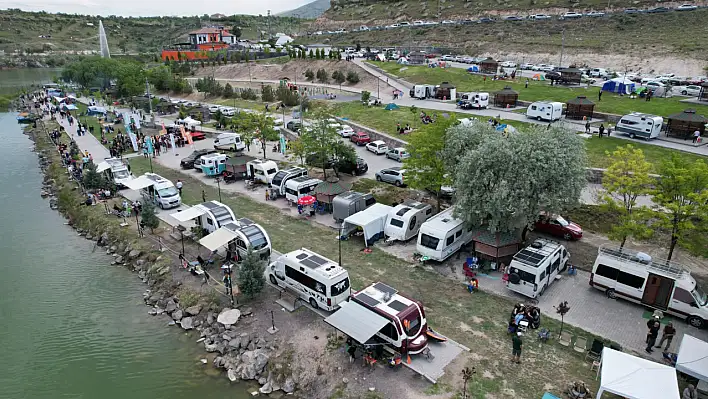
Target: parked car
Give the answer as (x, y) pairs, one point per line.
(595, 14)
(686, 7)
(448, 22)
(357, 168)
(557, 226)
(294, 126)
(360, 138)
(447, 57)
(213, 108)
(654, 85)
(539, 17)
(527, 66)
(196, 136)
(486, 20)
(391, 175)
(508, 64)
(658, 10)
(571, 15)
(513, 18)
(398, 154)
(547, 68)
(378, 147)
(188, 161)
(346, 131)
(631, 11)
(690, 90)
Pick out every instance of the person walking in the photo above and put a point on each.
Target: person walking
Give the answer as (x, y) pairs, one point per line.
(601, 129)
(516, 344)
(696, 136)
(599, 95)
(668, 336)
(587, 127)
(179, 187)
(203, 195)
(526, 85)
(653, 326)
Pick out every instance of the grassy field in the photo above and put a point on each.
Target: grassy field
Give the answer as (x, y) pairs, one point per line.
(478, 321)
(537, 90)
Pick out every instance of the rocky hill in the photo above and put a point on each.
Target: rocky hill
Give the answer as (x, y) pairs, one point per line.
(309, 10)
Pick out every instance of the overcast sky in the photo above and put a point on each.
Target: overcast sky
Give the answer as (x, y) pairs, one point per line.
(155, 7)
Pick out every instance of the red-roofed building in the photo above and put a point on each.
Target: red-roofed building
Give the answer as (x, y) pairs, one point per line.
(211, 38)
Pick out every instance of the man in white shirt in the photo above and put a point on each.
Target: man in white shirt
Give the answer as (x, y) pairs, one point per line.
(179, 186)
(696, 136)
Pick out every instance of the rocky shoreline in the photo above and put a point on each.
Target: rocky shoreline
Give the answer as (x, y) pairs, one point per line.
(228, 335)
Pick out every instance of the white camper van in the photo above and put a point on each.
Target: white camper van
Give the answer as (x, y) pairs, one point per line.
(658, 284)
(442, 235)
(261, 171)
(282, 177)
(422, 92)
(640, 125)
(535, 267)
(116, 171)
(319, 281)
(229, 141)
(405, 219)
(299, 187)
(545, 111)
(156, 188)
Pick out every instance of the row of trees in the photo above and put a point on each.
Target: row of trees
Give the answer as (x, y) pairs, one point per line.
(317, 54)
(284, 94)
(337, 76)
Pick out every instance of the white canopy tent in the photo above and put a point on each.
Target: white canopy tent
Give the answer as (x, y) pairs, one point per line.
(693, 357)
(188, 214)
(635, 378)
(139, 183)
(102, 166)
(218, 239)
(372, 221)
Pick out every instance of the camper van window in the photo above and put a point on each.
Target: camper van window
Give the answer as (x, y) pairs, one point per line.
(565, 253)
(396, 222)
(429, 211)
(542, 276)
(340, 288)
(390, 331)
(533, 107)
(630, 280)
(525, 276)
(370, 201)
(627, 122)
(684, 296)
(241, 243)
(210, 222)
(412, 226)
(120, 174)
(259, 172)
(306, 190)
(556, 264)
(459, 233)
(450, 240)
(258, 242)
(413, 326)
(607, 272)
(167, 192)
(304, 279)
(429, 242)
(271, 171)
(291, 191)
(700, 296)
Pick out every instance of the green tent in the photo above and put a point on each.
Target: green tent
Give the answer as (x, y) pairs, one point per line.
(392, 106)
(326, 191)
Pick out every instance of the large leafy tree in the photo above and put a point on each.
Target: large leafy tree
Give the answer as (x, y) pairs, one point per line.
(624, 181)
(681, 195)
(148, 216)
(251, 279)
(262, 127)
(92, 180)
(503, 183)
(160, 77)
(320, 140)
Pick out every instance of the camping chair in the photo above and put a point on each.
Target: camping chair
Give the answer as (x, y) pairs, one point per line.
(581, 344)
(595, 350)
(544, 335)
(565, 338)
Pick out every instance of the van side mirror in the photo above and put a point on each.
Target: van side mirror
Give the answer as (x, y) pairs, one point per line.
(694, 304)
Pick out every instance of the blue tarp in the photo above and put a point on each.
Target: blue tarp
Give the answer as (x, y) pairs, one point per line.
(473, 68)
(618, 85)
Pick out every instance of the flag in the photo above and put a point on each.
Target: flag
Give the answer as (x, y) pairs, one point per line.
(172, 143)
(282, 144)
(133, 138)
(148, 142)
(164, 130)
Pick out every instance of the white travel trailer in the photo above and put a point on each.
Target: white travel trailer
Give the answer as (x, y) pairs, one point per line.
(153, 187)
(210, 215)
(658, 284)
(535, 267)
(405, 219)
(545, 110)
(442, 235)
(261, 171)
(422, 92)
(477, 100)
(640, 125)
(299, 187)
(229, 141)
(283, 176)
(116, 171)
(317, 280)
(238, 236)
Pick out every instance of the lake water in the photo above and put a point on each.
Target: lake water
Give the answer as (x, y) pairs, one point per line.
(14, 79)
(71, 326)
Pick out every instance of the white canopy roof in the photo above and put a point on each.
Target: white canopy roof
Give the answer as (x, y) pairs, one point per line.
(102, 166)
(217, 239)
(372, 220)
(693, 357)
(139, 183)
(189, 214)
(356, 321)
(636, 378)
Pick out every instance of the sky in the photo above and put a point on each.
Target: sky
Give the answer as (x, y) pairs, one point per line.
(155, 7)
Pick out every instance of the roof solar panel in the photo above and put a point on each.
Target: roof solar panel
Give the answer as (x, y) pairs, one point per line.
(309, 263)
(245, 221)
(529, 257)
(402, 211)
(318, 260)
(397, 306)
(302, 256)
(367, 299)
(209, 205)
(386, 289)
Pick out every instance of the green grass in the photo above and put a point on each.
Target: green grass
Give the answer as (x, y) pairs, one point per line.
(537, 90)
(240, 103)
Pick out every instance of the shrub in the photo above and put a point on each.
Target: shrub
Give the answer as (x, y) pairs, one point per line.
(352, 77)
(249, 94)
(309, 74)
(267, 94)
(322, 76)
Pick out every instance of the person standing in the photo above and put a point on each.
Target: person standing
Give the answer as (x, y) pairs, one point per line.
(587, 127)
(696, 136)
(516, 344)
(690, 392)
(652, 334)
(179, 186)
(601, 129)
(203, 195)
(599, 95)
(668, 336)
(526, 85)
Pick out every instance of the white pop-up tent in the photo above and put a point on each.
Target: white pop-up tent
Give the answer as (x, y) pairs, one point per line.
(372, 221)
(693, 357)
(635, 378)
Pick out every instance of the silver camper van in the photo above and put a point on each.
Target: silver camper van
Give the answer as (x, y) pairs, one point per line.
(349, 203)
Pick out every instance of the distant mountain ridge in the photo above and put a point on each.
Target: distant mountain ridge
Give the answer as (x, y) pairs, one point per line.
(309, 10)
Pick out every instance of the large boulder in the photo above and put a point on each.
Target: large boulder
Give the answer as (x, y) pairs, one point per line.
(193, 310)
(210, 347)
(253, 363)
(171, 306)
(228, 317)
(235, 343)
(134, 254)
(288, 386)
(267, 388)
(187, 323)
(177, 315)
(231, 374)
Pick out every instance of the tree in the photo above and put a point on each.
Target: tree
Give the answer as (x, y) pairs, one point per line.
(467, 374)
(414, 111)
(352, 77)
(322, 76)
(425, 168)
(249, 94)
(251, 274)
(309, 74)
(93, 180)
(680, 196)
(320, 141)
(365, 96)
(624, 181)
(339, 77)
(504, 183)
(236, 31)
(299, 150)
(312, 54)
(228, 91)
(267, 94)
(123, 46)
(160, 77)
(148, 216)
(288, 97)
(562, 309)
(263, 130)
(358, 47)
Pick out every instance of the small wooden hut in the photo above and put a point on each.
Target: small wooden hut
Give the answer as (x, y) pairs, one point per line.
(326, 191)
(684, 124)
(489, 66)
(703, 96)
(446, 91)
(506, 97)
(579, 107)
(571, 76)
(416, 58)
(497, 247)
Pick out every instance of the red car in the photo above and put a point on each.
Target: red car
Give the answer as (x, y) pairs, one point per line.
(360, 138)
(198, 136)
(557, 226)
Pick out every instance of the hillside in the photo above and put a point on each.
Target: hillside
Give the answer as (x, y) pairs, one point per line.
(310, 10)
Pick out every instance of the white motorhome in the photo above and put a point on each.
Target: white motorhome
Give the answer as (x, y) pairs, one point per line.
(317, 280)
(299, 187)
(478, 100)
(545, 110)
(658, 284)
(229, 141)
(210, 215)
(442, 235)
(282, 177)
(422, 92)
(156, 188)
(405, 219)
(640, 125)
(116, 171)
(237, 237)
(535, 267)
(261, 171)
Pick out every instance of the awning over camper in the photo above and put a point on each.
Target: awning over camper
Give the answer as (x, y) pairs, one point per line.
(139, 183)
(356, 321)
(636, 378)
(693, 357)
(371, 220)
(102, 166)
(188, 214)
(217, 239)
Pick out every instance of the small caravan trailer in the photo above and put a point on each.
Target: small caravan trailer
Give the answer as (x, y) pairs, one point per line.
(283, 176)
(640, 125)
(442, 235)
(473, 100)
(422, 92)
(545, 111)
(349, 203)
(238, 236)
(261, 171)
(213, 164)
(299, 187)
(405, 219)
(210, 215)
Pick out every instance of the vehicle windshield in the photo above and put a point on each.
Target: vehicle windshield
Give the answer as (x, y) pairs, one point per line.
(700, 296)
(562, 221)
(339, 288)
(121, 174)
(167, 192)
(278, 178)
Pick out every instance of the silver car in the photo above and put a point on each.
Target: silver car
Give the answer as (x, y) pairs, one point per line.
(391, 175)
(398, 154)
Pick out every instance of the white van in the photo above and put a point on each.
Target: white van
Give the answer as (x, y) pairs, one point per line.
(535, 267)
(599, 73)
(299, 187)
(545, 110)
(261, 171)
(442, 235)
(280, 178)
(116, 171)
(317, 280)
(640, 125)
(405, 219)
(229, 141)
(161, 191)
(658, 284)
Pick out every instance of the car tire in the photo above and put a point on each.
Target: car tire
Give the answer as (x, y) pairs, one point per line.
(631, 135)
(567, 236)
(273, 280)
(313, 303)
(684, 92)
(514, 278)
(387, 156)
(696, 321)
(398, 183)
(543, 289)
(378, 178)
(610, 293)
(538, 118)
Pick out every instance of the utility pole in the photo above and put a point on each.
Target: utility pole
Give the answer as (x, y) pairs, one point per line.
(560, 62)
(147, 87)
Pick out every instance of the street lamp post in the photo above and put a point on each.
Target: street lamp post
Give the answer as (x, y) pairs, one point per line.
(340, 245)
(218, 185)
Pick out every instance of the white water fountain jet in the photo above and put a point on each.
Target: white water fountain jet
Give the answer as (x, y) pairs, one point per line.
(103, 41)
